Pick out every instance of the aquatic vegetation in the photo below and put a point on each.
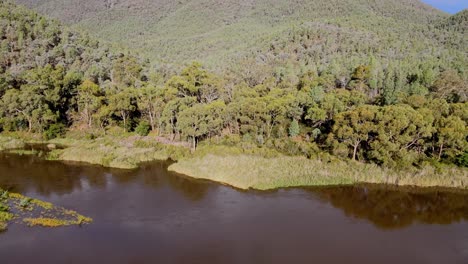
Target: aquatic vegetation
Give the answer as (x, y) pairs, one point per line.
(4, 218)
(19, 209)
(54, 222)
(44, 205)
(4, 208)
(25, 202)
(3, 226)
(4, 195)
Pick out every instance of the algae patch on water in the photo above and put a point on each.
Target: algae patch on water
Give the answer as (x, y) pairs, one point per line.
(19, 209)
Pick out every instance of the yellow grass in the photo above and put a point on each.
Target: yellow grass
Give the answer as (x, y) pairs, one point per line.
(250, 171)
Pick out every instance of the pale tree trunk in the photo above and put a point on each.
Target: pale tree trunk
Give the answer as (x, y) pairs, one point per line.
(124, 117)
(29, 125)
(356, 145)
(441, 148)
(194, 144)
(89, 118)
(151, 120)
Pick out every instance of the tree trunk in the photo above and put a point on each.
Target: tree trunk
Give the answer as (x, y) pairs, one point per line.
(194, 143)
(151, 121)
(355, 150)
(90, 121)
(29, 126)
(124, 121)
(441, 148)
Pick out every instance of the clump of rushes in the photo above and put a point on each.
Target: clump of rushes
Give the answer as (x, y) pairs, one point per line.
(3, 195)
(25, 202)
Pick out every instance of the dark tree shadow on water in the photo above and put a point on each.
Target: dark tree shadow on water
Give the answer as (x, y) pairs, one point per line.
(390, 207)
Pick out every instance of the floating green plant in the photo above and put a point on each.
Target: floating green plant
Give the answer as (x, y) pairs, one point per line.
(19, 209)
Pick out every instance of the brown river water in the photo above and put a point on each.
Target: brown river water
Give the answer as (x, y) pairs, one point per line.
(150, 215)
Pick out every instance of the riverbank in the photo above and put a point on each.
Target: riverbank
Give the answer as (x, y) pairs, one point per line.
(254, 172)
(120, 153)
(125, 154)
(262, 169)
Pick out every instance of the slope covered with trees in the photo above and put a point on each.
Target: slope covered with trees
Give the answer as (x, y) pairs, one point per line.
(43, 64)
(394, 109)
(218, 31)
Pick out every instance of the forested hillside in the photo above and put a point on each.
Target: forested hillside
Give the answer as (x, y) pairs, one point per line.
(395, 98)
(217, 31)
(42, 64)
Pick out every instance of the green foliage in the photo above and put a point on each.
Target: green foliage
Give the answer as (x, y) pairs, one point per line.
(294, 128)
(4, 194)
(396, 99)
(25, 202)
(4, 207)
(462, 160)
(54, 131)
(143, 128)
(89, 101)
(289, 35)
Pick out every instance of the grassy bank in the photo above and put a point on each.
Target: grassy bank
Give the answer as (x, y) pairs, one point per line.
(7, 143)
(256, 172)
(256, 168)
(124, 152)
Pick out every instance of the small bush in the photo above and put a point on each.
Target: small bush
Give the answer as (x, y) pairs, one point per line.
(462, 160)
(55, 131)
(294, 128)
(143, 128)
(231, 140)
(116, 132)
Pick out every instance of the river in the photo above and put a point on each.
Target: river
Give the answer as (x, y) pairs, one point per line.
(151, 215)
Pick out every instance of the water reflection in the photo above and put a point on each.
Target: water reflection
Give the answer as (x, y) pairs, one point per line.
(390, 207)
(30, 173)
(385, 207)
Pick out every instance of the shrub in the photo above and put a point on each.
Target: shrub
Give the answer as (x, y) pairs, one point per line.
(294, 128)
(462, 160)
(54, 131)
(231, 140)
(143, 128)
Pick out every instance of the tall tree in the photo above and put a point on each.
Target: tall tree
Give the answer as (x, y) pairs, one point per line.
(89, 100)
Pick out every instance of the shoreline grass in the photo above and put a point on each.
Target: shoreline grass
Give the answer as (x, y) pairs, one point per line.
(113, 152)
(260, 173)
(261, 169)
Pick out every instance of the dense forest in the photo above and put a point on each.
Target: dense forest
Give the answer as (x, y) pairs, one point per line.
(396, 102)
(222, 33)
